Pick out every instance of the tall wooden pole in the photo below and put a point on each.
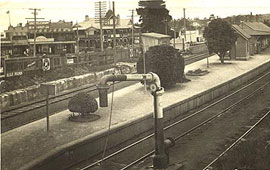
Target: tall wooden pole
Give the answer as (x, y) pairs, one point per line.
(132, 33)
(35, 27)
(114, 35)
(35, 30)
(47, 109)
(184, 10)
(101, 29)
(166, 27)
(78, 48)
(174, 34)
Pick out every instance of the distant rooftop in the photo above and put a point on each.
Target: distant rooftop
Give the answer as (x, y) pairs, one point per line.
(155, 35)
(107, 22)
(90, 22)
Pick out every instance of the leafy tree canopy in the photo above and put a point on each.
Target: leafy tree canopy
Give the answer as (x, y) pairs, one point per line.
(155, 19)
(220, 37)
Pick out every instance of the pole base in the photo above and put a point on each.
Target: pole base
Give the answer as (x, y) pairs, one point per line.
(160, 161)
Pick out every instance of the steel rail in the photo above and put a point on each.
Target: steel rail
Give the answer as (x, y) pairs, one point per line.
(182, 120)
(241, 137)
(41, 103)
(43, 100)
(201, 124)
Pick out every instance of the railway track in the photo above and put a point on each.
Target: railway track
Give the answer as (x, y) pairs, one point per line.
(256, 122)
(36, 108)
(117, 158)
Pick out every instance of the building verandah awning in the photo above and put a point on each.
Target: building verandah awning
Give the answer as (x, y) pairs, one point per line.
(44, 40)
(56, 42)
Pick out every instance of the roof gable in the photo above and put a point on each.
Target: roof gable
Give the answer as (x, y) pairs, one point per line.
(241, 32)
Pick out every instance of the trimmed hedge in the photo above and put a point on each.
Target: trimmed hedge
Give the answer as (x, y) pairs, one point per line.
(83, 103)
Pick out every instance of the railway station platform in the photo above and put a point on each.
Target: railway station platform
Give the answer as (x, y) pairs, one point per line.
(31, 145)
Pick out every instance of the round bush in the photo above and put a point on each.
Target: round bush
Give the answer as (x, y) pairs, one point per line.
(83, 103)
(166, 62)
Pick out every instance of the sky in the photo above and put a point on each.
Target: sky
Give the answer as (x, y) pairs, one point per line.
(75, 10)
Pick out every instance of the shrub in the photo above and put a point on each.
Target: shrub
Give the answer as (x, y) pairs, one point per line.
(83, 103)
(166, 62)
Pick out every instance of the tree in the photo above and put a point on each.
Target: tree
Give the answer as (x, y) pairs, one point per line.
(154, 17)
(220, 37)
(179, 24)
(166, 62)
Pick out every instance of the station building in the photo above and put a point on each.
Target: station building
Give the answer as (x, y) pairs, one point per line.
(253, 37)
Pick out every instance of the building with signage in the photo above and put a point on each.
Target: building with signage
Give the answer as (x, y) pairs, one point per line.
(51, 38)
(15, 42)
(88, 32)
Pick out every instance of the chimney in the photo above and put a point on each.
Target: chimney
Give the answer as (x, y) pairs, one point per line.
(251, 17)
(86, 18)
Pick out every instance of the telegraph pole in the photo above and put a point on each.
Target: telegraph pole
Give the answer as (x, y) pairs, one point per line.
(114, 36)
(101, 30)
(78, 38)
(166, 29)
(100, 10)
(174, 33)
(35, 27)
(132, 33)
(184, 10)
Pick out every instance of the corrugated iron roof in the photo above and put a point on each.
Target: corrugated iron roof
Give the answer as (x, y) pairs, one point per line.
(241, 31)
(256, 28)
(254, 32)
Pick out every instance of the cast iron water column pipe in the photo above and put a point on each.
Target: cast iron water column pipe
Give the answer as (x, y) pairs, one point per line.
(161, 157)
